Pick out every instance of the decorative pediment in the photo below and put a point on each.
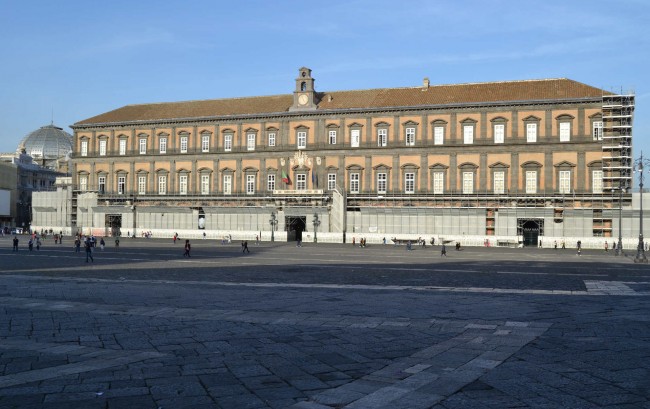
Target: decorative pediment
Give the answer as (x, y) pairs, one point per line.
(499, 119)
(227, 170)
(409, 166)
(251, 130)
(468, 121)
(227, 130)
(438, 166)
(354, 167)
(410, 123)
(532, 118)
(531, 164)
(355, 125)
(381, 166)
(272, 129)
(564, 164)
(468, 165)
(499, 165)
(382, 124)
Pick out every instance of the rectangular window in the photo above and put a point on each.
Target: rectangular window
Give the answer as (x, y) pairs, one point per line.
(468, 134)
(355, 136)
(101, 183)
(354, 183)
(102, 147)
(597, 181)
(499, 184)
(438, 182)
(565, 131)
(162, 184)
(409, 183)
(499, 133)
(270, 183)
(531, 132)
(143, 146)
(332, 137)
(381, 182)
(227, 143)
(250, 141)
(205, 143)
(410, 136)
(83, 183)
(163, 145)
(598, 130)
(227, 184)
(468, 183)
(531, 181)
(183, 144)
(271, 138)
(331, 181)
(565, 181)
(122, 146)
(182, 184)
(382, 137)
(142, 185)
(84, 148)
(250, 184)
(438, 135)
(205, 184)
(301, 181)
(302, 139)
(121, 185)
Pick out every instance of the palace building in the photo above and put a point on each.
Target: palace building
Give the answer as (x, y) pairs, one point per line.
(512, 161)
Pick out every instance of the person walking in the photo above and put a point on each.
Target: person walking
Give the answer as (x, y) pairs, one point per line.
(15, 248)
(38, 243)
(102, 243)
(89, 250)
(30, 245)
(606, 246)
(188, 247)
(443, 250)
(245, 247)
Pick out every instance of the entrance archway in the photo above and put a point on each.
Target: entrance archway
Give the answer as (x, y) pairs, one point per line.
(113, 225)
(294, 226)
(531, 230)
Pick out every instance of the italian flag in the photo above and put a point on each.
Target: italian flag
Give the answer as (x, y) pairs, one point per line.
(285, 178)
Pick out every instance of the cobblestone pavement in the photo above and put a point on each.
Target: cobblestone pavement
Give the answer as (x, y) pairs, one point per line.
(322, 326)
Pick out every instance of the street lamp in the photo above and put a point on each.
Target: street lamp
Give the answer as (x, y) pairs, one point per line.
(619, 247)
(316, 224)
(638, 167)
(273, 222)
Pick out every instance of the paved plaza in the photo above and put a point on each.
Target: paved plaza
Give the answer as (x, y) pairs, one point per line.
(321, 326)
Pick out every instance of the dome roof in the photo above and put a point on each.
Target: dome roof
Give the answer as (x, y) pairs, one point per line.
(48, 142)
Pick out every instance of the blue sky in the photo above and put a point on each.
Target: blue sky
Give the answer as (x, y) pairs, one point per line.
(78, 59)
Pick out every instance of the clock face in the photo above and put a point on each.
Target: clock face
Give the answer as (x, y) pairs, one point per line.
(303, 99)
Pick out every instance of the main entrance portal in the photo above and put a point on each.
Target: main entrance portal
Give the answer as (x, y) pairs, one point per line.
(295, 225)
(531, 230)
(113, 224)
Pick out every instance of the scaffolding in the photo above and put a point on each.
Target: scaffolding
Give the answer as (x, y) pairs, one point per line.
(618, 111)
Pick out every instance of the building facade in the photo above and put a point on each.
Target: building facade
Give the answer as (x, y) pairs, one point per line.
(502, 161)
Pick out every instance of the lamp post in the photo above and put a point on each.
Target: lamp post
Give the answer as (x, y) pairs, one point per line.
(619, 246)
(273, 222)
(316, 223)
(639, 164)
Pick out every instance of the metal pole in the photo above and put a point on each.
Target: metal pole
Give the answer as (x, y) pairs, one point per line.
(619, 247)
(640, 251)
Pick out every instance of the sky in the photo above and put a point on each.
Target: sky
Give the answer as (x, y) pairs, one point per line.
(71, 60)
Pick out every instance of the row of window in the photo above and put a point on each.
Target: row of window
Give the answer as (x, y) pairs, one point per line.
(381, 186)
(468, 132)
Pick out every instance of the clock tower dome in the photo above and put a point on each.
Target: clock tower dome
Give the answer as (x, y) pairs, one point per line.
(304, 96)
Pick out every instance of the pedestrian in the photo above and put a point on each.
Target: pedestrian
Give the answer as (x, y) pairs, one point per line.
(555, 244)
(245, 247)
(203, 235)
(102, 243)
(175, 237)
(408, 245)
(77, 245)
(257, 240)
(540, 244)
(563, 245)
(188, 247)
(30, 244)
(443, 250)
(117, 242)
(15, 248)
(38, 243)
(89, 250)
(354, 241)
(299, 243)
(606, 246)
(384, 241)
(614, 246)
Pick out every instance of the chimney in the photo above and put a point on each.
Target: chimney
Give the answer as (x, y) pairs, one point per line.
(425, 83)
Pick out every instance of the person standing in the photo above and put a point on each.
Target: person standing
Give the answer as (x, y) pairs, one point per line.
(102, 243)
(443, 250)
(15, 248)
(245, 247)
(89, 250)
(38, 243)
(30, 245)
(188, 247)
(606, 246)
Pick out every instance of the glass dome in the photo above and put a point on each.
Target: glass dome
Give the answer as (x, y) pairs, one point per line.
(47, 143)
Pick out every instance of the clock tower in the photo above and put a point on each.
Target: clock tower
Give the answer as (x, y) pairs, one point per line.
(304, 96)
